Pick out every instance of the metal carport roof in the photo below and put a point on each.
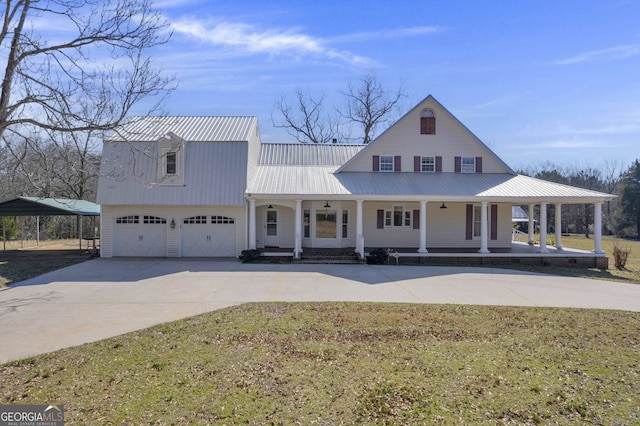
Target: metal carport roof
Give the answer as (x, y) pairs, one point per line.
(37, 206)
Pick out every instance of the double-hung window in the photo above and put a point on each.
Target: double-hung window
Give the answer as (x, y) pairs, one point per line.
(428, 164)
(397, 218)
(477, 221)
(386, 163)
(468, 165)
(171, 163)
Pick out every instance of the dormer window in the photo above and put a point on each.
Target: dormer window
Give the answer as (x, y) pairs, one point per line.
(427, 122)
(171, 163)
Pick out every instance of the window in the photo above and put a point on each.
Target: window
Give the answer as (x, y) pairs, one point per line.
(386, 163)
(171, 163)
(196, 219)
(398, 217)
(428, 164)
(154, 219)
(345, 223)
(306, 223)
(468, 165)
(127, 219)
(222, 219)
(477, 221)
(427, 122)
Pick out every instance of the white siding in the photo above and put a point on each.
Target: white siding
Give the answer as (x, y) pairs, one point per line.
(215, 174)
(404, 139)
(446, 228)
(174, 249)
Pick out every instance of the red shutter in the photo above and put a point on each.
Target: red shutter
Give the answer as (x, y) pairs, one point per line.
(416, 163)
(380, 219)
(424, 126)
(438, 164)
(478, 164)
(469, 235)
(458, 164)
(397, 166)
(494, 221)
(416, 219)
(376, 163)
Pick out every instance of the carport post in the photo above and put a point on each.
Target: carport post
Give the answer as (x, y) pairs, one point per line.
(80, 231)
(4, 235)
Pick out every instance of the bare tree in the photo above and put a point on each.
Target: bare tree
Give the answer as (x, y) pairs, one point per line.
(369, 104)
(99, 62)
(306, 120)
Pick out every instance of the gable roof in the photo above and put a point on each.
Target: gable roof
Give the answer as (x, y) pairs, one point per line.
(187, 128)
(423, 104)
(37, 206)
(214, 156)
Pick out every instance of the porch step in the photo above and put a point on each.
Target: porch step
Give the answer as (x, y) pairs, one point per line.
(329, 256)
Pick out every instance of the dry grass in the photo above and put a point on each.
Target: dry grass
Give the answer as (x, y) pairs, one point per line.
(20, 264)
(349, 364)
(630, 274)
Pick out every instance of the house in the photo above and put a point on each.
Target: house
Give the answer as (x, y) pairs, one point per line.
(207, 186)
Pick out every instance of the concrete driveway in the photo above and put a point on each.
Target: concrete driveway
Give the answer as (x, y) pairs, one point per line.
(106, 297)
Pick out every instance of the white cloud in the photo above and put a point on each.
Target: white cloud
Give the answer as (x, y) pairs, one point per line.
(244, 39)
(568, 144)
(613, 53)
(385, 34)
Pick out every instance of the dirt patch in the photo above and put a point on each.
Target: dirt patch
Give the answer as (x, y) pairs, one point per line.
(23, 263)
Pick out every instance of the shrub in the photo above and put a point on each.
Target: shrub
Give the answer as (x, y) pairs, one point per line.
(620, 254)
(377, 256)
(250, 255)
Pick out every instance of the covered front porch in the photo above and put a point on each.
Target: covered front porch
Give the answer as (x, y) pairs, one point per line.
(413, 231)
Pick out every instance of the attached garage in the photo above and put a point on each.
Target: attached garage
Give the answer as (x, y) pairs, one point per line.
(140, 236)
(209, 236)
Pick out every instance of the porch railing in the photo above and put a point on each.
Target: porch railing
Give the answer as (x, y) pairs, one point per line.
(519, 236)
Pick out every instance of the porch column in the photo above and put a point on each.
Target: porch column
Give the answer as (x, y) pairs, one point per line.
(484, 246)
(359, 234)
(558, 226)
(543, 228)
(597, 231)
(298, 244)
(252, 224)
(423, 227)
(532, 223)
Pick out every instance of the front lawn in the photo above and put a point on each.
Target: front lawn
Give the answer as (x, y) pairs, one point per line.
(333, 363)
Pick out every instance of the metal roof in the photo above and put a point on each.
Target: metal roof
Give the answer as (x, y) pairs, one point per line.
(299, 154)
(518, 214)
(324, 182)
(36, 206)
(203, 129)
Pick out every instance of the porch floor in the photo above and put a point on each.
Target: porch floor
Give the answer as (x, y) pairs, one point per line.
(518, 253)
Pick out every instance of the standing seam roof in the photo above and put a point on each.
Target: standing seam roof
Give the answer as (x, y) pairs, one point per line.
(196, 129)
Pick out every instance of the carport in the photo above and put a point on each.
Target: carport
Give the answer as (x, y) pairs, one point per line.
(38, 206)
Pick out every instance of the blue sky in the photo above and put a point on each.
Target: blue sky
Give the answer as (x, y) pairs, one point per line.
(544, 81)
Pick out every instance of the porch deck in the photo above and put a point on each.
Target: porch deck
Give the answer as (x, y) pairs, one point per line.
(518, 254)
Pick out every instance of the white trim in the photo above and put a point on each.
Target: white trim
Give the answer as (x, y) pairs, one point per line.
(462, 168)
(392, 164)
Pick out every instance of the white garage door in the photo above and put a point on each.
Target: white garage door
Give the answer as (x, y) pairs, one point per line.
(140, 236)
(209, 236)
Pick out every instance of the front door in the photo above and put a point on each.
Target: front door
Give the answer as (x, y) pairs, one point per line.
(271, 232)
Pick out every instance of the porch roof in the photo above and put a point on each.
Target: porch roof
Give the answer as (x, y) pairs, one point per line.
(322, 182)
